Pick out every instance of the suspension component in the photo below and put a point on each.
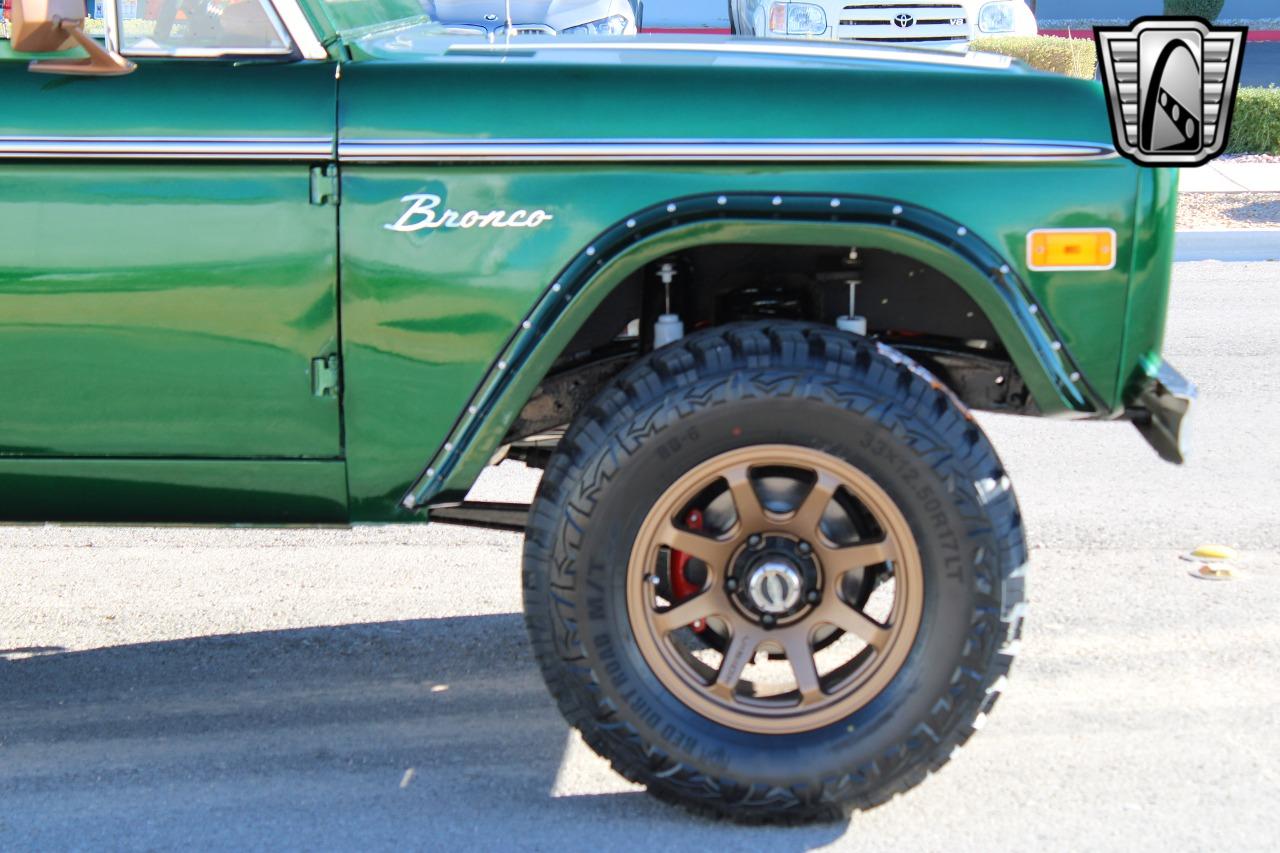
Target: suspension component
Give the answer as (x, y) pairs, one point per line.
(851, 322)
(669, 327)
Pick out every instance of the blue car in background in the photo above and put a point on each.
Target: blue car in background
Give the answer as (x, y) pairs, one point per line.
(686, 16)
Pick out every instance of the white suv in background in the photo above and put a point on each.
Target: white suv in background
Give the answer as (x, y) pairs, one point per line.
(950, 24)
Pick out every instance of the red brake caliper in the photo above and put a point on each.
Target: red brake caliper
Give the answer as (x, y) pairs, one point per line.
(681, 587)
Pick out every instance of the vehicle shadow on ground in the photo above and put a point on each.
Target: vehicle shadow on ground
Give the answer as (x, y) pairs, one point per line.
(1259, 212)
(309, 735)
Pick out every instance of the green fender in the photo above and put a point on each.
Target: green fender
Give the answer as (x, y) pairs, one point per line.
(1050, 372)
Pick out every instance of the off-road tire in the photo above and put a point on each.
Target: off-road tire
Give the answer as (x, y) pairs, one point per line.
(769, 383)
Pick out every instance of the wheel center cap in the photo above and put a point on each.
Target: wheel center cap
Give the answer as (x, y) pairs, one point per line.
(775, 587)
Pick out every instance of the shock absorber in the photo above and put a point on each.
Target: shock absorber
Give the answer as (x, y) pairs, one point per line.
(669, 327)
(851, 322)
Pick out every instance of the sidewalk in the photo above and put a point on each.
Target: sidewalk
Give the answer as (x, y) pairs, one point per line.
(1235, 218)
(1231, 176)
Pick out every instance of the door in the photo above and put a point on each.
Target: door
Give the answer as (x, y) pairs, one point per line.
(168, 273)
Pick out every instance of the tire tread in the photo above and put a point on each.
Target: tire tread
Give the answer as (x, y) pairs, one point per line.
(782, 360)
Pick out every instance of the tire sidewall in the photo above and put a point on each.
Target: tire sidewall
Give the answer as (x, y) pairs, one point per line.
(899, 451)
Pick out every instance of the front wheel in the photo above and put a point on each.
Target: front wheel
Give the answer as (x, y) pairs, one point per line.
(774, 573)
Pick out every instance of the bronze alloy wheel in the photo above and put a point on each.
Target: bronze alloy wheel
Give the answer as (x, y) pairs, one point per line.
(775, 589)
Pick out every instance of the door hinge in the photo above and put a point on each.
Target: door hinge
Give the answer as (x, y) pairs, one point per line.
(324, 185)
(326, 376)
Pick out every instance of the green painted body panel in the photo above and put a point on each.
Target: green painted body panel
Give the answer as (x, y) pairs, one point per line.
(451, 483)
(1149, 276)
(406, 87)
(167, 309)
(181, 316)
(162, 491)
(172, 97)
(431, 310)
(179, 328)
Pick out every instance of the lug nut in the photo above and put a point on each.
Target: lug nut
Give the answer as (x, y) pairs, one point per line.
(768, 620)
(731, 584)
(804, 548)
(813, 597)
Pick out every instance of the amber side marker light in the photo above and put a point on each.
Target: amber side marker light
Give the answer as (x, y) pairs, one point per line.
(1050, 249)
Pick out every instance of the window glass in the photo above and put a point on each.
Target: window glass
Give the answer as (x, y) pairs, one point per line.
(494, 19)
(177, 27)
(354, 15)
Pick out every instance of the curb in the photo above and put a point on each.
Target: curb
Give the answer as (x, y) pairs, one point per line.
(1256, 245)
(1087, 33)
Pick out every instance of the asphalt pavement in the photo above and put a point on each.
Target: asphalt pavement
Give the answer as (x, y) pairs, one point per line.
(165, 688)
(1261, 64)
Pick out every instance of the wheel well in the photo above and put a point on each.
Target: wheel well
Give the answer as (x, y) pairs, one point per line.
(906, 304)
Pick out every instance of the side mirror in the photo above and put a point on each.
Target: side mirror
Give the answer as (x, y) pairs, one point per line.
(46, 26)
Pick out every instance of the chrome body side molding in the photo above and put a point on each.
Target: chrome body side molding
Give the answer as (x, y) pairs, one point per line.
(718, 151)
(829, 50)
(552, 151)
(311, 149)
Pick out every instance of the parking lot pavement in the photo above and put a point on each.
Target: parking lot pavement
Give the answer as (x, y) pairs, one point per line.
(292, 689)
(1261, 64)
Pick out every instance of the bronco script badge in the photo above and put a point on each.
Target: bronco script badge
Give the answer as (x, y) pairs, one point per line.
(1171, 84)
(424, 212)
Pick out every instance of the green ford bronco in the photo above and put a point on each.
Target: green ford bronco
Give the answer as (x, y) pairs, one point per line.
(322, 261)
